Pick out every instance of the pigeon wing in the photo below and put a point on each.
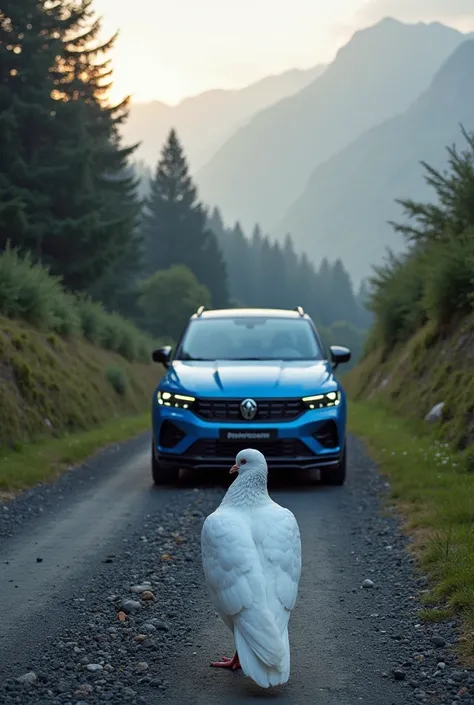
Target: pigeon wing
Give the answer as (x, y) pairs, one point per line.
(234, 574)
(277, 536)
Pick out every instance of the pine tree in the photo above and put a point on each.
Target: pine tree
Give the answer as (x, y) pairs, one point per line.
(29, 42)
(263, 273)
(215, 223)
(102, 186)
(307, 289)
(362, 297)
(175, 224)
(344, 305)
(64, 187)
(254, 267)
(291, 262)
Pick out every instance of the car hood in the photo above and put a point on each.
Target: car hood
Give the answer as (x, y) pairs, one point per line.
(267, 378)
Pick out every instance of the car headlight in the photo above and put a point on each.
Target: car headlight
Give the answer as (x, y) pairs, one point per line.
(321, 401)
(178, 401)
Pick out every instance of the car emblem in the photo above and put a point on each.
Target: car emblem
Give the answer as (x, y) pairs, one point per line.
(248, 409)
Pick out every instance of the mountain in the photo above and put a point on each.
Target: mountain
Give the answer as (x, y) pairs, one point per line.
(264, 167)
(205, 121)
(349, 199)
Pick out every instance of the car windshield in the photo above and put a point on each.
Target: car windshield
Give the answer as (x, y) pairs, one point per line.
(249, 338)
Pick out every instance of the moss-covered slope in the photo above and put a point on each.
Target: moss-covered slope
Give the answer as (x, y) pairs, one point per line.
(436, 365)
(49, 385)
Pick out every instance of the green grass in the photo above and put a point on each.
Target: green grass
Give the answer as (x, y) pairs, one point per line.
(434, 492)
(44, 460)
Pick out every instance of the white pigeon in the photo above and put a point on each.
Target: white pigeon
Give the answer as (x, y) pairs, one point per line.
(251, 555)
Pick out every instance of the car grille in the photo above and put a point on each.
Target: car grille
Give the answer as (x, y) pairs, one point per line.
(267, 410)
(281, 448)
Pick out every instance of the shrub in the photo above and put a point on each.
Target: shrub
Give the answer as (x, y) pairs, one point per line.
(396, 299)
(118, 379)
(449, 279)
(66, 314)
(28, 292)
(169, 297)
(93, 318)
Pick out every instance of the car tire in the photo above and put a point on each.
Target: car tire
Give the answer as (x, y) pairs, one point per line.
(163, 473)
(335, 475)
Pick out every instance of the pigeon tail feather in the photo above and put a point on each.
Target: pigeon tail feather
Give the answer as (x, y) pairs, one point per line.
(259, 630)
(253, 667)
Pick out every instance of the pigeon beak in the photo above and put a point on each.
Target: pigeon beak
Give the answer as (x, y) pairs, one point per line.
(234, 468)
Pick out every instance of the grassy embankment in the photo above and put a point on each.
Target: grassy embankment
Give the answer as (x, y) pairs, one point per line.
(430, 468)
(73, 378)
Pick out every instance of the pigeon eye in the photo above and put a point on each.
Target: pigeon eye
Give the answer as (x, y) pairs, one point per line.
(243, 461)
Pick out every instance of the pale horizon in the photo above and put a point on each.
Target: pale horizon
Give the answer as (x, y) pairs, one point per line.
(193, 47)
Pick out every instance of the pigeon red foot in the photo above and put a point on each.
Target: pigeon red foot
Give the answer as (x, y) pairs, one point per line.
(227, 662)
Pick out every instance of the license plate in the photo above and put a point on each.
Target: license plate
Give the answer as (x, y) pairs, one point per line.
(258, 434)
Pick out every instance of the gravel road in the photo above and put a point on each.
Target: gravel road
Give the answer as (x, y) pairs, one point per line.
(101, 541)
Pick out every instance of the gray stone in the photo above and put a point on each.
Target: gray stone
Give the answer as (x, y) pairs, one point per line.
(438, 641)
(130, 606)
(398, 674)
(436, 413)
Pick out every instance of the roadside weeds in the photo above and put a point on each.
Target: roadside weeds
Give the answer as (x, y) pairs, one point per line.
(434, 493)
(43, 461)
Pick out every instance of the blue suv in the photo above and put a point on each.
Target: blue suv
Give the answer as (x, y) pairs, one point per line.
(243, 378)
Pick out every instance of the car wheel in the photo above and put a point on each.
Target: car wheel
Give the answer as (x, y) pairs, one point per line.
(335, 475)
(163, 473)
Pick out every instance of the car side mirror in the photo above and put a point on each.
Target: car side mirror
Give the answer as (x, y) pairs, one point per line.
(339, 355)
(162, 355)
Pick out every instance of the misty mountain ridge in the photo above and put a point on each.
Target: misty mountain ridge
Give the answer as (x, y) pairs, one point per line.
(349, 198)
(264, 167)
(206, 120)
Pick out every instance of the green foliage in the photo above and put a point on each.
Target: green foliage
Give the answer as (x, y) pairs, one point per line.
(67, 317)
(29, 293)
(118, 379)
(169, 297)
(468, 458)
(449, 282)
(66, 192)
(175, 228)
(453, 213)
(93, 318)
(396, 299)
(435, 279)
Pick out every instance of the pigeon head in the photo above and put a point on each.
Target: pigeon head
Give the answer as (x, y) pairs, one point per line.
(248, 460)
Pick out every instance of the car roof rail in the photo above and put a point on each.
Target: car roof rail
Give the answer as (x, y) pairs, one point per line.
(200, 311)
(300, 310)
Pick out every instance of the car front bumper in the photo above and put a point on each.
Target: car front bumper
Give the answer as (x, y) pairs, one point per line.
(292, 445)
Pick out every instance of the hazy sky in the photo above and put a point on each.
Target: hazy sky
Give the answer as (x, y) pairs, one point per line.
(169, 49)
